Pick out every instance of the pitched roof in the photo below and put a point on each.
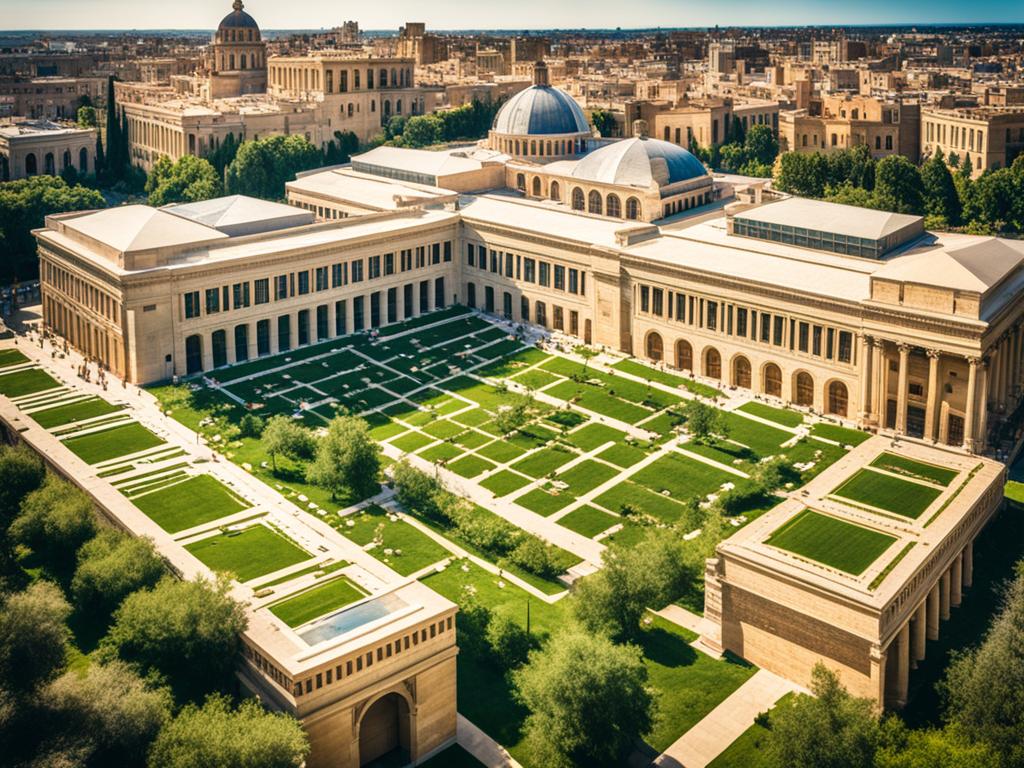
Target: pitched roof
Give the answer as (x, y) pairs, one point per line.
(131, 228)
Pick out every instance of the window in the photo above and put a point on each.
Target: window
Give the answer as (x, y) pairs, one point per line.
(778, 327)
(212, 300)
(574, 281)
(470, 254)
(803, 336)
(435, 253)
(711, 320)
(357, 271)
(529, 270)
(845, 347)
(766, 330)
(321, 278)
(389, 263)
(559, 322)
(645, 299)
(303, 283)
(657, 301)
(240, 295)
(447, 250)
(545, 274)
(509, 265)
(816, 343)
(373, 270)
(336, 276)
(262, 287)
(281, 287)
(559, 277)
(192, 304)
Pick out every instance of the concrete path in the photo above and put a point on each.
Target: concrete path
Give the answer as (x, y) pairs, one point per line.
(483, 747)
(679, 615)
(725, 723)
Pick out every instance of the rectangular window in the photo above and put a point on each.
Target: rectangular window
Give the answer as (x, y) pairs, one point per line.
(357, 271)
(240, 295)
(303, 283)
(545, 274)
(358, 319)
(340, 318)
(559, 277)
(645, 299)
(681, 307)
(845, 347)
(192, 304)
(509, 265)
(321, 278)
(778, 328)
(494, 261)
(816, 343)
(421, 256)
(262, 290)
(529, 270)
(336, 276)
(558, 319)
(212, 300)
(389, 263)
(471, 254)
(280, 287)
(447, 250)
(574, 280)
(406, 259)
(766, 328)
(830, 339)
(435, 253)
(373, 270)
(657, 301)
(712, 316)
(803, 337)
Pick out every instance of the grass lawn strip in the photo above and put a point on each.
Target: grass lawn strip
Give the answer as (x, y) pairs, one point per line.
(26, 382)
(875, 489)
(470, 466)
(778, 415)
(504, 482)
(108, 444)
(663, 377)
(842, 435)
(544, 503)
(543, 462)
(199, 500)
(252, 552)
(9, 357)
(683, 477)
(400, 546)
(588, 521)
(836, 543)
(317, 601)
(586, 476)
(622, 455)
(917, 470)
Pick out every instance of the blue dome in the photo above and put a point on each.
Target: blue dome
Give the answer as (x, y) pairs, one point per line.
(541, 110)
(639, 162)
(238, 19)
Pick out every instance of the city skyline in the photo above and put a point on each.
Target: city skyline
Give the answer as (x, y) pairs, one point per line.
(193, 14)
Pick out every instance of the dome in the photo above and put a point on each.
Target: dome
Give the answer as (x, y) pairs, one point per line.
(238, 19)
(639, 162)
(541, 110)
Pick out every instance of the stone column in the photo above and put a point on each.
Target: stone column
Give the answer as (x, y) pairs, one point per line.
(971, 408)
(251, 338)
(944, 596)
(878, 385)
(902, 665)
(982, 437)
(901, 393)
(968, 569)
(865, 378)
(920, 628)
(932, 409)
(933, 613)
(956, 581)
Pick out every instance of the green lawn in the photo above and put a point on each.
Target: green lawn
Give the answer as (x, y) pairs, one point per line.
(591, 436)
(111, 443)
(543, 503)
(778, 415)
(411, 550)
(918, 470)
(842, 435)
(411, 441)
(622, 455)
(193, 502)
(683, 477)
(586, 476)
(749, 750)
(832, 542)
(760, 438)
(317, 601)
(641, 499)
(9, 357)
(504, 482)
(588, 521)
(542, 462)
(246, 554)
(66, 414)
(599, 401)
(901, 497)
(663, 377)
(26, 382)
(470, 466)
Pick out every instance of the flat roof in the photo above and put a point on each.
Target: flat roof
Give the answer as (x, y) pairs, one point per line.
(420, 161)
(830, 217)
(364, 189)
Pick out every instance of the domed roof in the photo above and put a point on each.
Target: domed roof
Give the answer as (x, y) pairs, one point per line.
(541, 110)
(639, 162)
(238, 19)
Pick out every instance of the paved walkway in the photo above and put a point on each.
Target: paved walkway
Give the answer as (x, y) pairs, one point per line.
(725, 723)
(483, 747)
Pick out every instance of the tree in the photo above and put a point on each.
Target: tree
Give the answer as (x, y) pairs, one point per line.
(188, 180)
(261, 167)
(898, 185)
(341, 148)
(984, 687)
(187, 631)
(33, 637)
(416, 490)
(422, 131)
(346, 457)
(513, 416)
(737, 133)
(802, 173)
(222, 153)
(732, 156)
(704, 422)
(215, 736)
(603, 121)
(832, 729)
(394, 127)
(588, 700)
(111, 567)
(932, 748)
(250, 425)
(649, 574)
(21, 472)
(86, 117)
(56, 519)
(109, 711)
(761, 144)
(508, 642)
(283, 435)
(939, 191)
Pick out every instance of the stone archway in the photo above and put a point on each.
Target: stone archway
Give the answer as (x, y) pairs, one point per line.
(803, 389)
(741, 372)
(655, 347)
(712, 363)
(772, 380)
(384, 730)
(684, 355)
(838, 399)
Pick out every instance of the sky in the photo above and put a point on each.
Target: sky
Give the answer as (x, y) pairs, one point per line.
(494, 14)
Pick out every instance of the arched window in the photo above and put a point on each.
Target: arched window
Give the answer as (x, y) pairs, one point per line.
(555, 192)
(804, 389)
(541, 313)
(577, 199)
(613, 206)
(536, 186)
(521, 182)
(632, 208)
(31, 164)
(48, 164)
(193, 354)
(524, 309)
(83, 160)
(837, 398)
(66, 160)
(741, 372)
(712, 363)
(773, 380)
(655, 348)
(219, 346)
(684, 355)
(470, 295)
(594, 201)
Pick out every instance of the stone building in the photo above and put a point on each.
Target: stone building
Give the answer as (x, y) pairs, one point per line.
(991, 137)
(837, 122)
(32, 147)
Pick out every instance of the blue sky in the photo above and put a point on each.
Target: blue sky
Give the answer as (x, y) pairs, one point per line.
(490, 14)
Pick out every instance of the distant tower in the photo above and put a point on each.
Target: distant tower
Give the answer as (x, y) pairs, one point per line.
(237, 57)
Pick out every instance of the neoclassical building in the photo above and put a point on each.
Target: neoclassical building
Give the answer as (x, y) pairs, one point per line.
(236, 61)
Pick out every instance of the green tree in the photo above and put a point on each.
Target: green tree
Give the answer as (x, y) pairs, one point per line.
(802, 173)
(111, 713)
(898, 185)
(831, 729)
(649, 574)
(188, 180)
(33, 637)
(984, 687)
(704, 422)
(341, 148)
(966, 168)
(732, 156)
(222, 153)
(216, 736)
(514, 415)
(346, 457)
(931, 748)
(111, 567)
(603, 121)
(21, 472)
(416, 490)
(262, 167)
(187, 631)
(56, 519)
(285, 436)
(939, 191)
(588, 700)
(761, 144)
(422, 131)
(394, 127)
(737, 133)
(86, 117)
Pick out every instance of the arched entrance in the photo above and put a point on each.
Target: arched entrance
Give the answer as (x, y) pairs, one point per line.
(684, 355)
(773, 380)
(804, 389)
(838, 398)
(741, 372)
(219, 346)
(384, 731)
(193, 354)
(712, 363)
(655, 347)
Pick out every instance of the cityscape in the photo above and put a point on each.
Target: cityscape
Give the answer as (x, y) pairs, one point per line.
(598, 387)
